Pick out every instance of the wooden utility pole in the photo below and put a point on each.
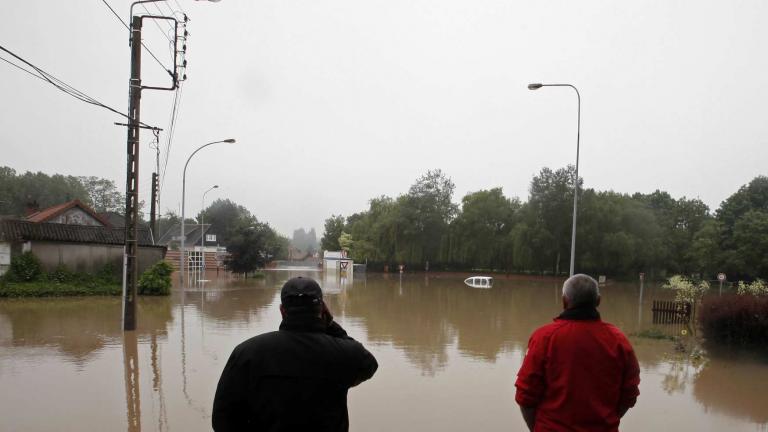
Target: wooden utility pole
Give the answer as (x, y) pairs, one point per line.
(131, 271)
(131, 254)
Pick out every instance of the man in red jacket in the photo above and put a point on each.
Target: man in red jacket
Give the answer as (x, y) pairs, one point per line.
(579, 373)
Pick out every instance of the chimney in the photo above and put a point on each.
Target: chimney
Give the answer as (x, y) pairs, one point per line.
(32, 207)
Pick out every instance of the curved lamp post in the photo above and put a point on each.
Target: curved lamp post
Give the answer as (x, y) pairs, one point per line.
(183, 194)
(536, 86)
(202, 222)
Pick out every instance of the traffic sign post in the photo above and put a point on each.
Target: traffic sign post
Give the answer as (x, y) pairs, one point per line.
(721, 278)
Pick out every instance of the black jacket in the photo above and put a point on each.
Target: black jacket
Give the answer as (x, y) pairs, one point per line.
(295, 379)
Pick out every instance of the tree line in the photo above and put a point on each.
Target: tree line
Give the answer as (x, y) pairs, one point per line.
(18, 192)
(617, 234)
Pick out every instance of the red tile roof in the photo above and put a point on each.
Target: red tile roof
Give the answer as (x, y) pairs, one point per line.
(49, 213)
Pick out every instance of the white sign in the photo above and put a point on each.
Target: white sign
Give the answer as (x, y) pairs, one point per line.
(601, 279)
(5, 254)
(721, 277)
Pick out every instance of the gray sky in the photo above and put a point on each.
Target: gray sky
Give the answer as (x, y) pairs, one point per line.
(336, 102)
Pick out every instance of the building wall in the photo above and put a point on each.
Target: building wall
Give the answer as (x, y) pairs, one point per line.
(75, 216)
(90, 258)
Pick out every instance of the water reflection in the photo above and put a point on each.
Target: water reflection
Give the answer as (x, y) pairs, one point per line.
(437, 341)
(131, 370)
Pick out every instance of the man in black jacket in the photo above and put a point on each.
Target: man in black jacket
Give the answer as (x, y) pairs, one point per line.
(294, 379)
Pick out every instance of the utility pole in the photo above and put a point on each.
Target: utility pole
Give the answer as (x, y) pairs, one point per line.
(131, 254)
(131, 271)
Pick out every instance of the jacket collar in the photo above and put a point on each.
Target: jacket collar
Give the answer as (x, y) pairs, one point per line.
(303, 323)
(580, 314)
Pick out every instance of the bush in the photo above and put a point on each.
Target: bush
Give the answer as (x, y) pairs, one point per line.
(686, 289)
(735, 319)
(48, 289)
(24, 268)
(755, 288)
(61, 275)
(156, 280)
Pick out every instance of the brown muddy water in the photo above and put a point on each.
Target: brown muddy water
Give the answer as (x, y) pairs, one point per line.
(448, 356)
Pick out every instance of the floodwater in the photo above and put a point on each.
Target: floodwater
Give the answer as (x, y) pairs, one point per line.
(448, 356)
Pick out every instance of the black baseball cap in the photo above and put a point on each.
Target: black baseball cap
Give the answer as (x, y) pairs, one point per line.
(301, 291)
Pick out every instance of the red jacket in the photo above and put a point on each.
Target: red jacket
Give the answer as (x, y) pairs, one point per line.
(578, 373)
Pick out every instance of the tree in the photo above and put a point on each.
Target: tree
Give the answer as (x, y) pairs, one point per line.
(252, 247)
(551, 204)
(18, 191)
(482, 229)
(334, 226)
(229, 218)
(103, 194)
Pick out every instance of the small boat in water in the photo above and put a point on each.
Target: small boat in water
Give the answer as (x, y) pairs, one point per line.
(479, 281)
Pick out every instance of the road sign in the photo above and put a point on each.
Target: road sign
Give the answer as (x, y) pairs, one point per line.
(642, 276)
(721, 277)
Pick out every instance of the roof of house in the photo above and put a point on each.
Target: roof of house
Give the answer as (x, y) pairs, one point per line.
(192, 232)
(49, 213)
(115, 219)
(18, 230)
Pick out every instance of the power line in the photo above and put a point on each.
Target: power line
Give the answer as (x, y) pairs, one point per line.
(142, 43)
(59, 84)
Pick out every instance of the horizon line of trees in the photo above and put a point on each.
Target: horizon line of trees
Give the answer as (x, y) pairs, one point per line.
(617, 234)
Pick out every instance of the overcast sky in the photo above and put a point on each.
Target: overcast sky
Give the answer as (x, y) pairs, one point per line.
(335, 102)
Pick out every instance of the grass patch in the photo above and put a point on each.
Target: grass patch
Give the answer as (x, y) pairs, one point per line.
(653, 333)
(55, 289)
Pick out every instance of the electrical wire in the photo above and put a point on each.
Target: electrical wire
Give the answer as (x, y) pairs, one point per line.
(142, 43)
(61, 85)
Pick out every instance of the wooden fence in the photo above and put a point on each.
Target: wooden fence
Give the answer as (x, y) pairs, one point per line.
(671, 312)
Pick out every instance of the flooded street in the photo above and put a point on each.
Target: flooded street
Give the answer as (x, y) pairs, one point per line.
(448, 357)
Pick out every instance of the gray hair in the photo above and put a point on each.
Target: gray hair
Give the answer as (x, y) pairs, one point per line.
(581, 290)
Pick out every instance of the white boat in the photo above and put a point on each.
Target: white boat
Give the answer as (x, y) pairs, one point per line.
(479, 281)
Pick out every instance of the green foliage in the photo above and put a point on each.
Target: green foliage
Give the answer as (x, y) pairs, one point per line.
(103, 193)
(756, 288)
(687, 290)
(52, 289)
(735, 319)
(156, 280)
(334, 225)
(24, 268)
(19, 190)
(253, 246)
(654, 333)
(617, 234)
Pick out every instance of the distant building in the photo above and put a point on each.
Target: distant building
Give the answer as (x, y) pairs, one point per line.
(73, 235)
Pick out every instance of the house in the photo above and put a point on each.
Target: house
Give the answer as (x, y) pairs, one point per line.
(71, 213)
(194, 235)
(73, 235)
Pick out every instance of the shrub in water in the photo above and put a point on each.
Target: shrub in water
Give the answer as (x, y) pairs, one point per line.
(156, 280)
(24, 268)
(735, 319)
(686, 289)
(755, 288)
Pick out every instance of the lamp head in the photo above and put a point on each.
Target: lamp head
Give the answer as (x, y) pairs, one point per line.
(215, 187)
(535, 86)
(231, 140)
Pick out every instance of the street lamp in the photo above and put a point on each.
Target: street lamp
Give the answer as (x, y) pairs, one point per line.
(536, 86)
(183, 194)
(202, 222)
